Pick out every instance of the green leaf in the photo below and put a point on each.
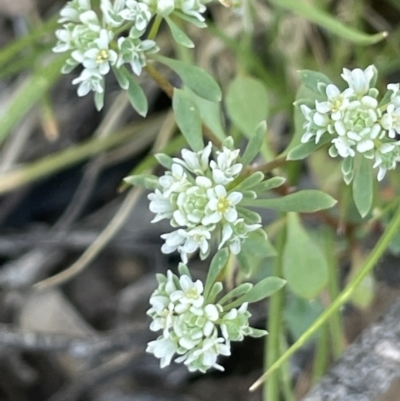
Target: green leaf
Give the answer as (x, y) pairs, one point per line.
(304, 265)
(255, 248)
(249, 216)
(247, 103)
(184, 270)
(271, 183)
(257, 332)
(363, 187)
(217, 264)
(329, 22)
(313, 80)
(196, 79)
(178, 35)
(300, 314)
(215, 290)
(304, 150)
(236, 292)
(255, 143)
(188, 119)
(251, 181)
(123, 81)
(189, 18)
(148, 181)
(210, 113)
(261, 290)
(164, 160)
(307, 201)
(135, 94)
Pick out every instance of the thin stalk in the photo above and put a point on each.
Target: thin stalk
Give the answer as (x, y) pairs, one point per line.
(321, 357)
(155, 27)
(335, 322)
(374, 256)
(69, 157)
(160, 80)
(272, 390)
(285, 376)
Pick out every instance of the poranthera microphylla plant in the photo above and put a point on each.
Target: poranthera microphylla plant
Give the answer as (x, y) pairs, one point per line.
(207, 194)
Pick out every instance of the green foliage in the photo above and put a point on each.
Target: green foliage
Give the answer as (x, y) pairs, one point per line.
(217, 264)
(255, 143)
(178, 35)
(305, 266)
(363, 186)
(148, 181)
(307, 201)
(196, 79)
(188, 119)
(247, 104)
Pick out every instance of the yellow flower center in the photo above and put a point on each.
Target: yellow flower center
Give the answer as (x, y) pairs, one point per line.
(192, 293)
(336, 105)
(102, 56)
(223, 205)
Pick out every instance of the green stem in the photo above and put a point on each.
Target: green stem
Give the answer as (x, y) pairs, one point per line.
(335, 323)
(155, 27)
(272, 390)
(321, 355)
(377, 252)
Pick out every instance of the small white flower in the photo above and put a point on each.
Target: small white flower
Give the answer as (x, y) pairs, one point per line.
(99, 56)
(190, 293)
(133, 51)
(359, 80)
(164, 349)
(344, 146)
(89, 80)
(234, 234)
(195, 162)
(139, 13)
(336, 102)
(225, 169)
(221, 205)
(160, 205)
(205, 355)
(193, 8)
(390, 121)
(387, 156)
(112, 12)
(73, 9)
(175, 180)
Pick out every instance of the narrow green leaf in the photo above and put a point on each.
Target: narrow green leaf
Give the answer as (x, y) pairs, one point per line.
(215, 290)
(304, 150)
(249, 216)
(261, 290)
(247, 103)
(210, 113)
(236, 292)
(363, 187)
(164, 160)
(30, 93)
(184, 270)
(255, 143)
(307, 201)
(258, 332)
(123, 82)
(189, 18)
(178, 35)
(148, 181)
(135, 94)
(188, 119)
(271, 183)
(304, 264)
(331, 23)
(251, 181)
(217, 264)
(313, 80)
(196, 79)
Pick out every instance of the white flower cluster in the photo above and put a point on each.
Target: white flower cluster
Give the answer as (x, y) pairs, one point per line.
(190, 324)
(200, 199)
(357, 122)
(93, 41)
